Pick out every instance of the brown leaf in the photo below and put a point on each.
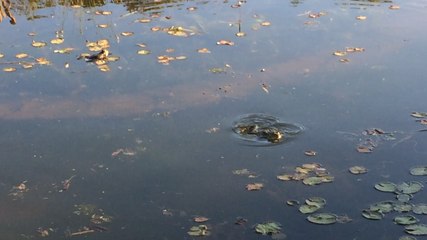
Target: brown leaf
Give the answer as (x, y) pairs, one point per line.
(254, 186)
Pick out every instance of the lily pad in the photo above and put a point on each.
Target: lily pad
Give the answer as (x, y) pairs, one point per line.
(416, 229)
(317, 180)
(406, 220)
(322, 218)
(386, 187)
(316, 201)
(402, 207)
(383, 207)
(200, 230)
(308, 208)
(409, 187)
(407, 238)
(404, 197)
(420, 208)
(358, 170)
(419, 171)
(268, 228)
(373, 215)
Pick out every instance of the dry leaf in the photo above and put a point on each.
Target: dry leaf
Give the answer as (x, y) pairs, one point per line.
(361, 17)
(9, 69)
(203, 50)
(200, 219)
(364, 149)
(240, 34)
(310, 153)
(57, 41)
(104, 68)
(127, 34)
(21, 55)
(339, 53)
(254, 186)
(394, 7)
(102, 25)
(265, 23)
(225, 42)
(38, 44)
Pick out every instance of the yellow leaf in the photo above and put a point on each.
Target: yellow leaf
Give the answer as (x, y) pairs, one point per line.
(38, 44)
(9, 69)
(21, 55)
(57, 41)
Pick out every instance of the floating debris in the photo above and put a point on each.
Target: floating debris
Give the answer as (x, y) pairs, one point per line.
(361, 17)
(127, 34)
(66, 184)
(394, 7)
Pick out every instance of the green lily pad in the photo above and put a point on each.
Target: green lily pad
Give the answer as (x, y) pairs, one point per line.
(311, 181)
(416, 229)
(268, 228)
(420, 208)
(409, 187)
(200, 230)
(386, 187)
(404, 197)
(406, 220)
(407, 238)
(419, 171)
(402, 207)
(383, 207)
(373, 215)
(305, 208)
(316, 201)
(322, 218)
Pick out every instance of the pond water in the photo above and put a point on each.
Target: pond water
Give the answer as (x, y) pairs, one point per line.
(136, 148)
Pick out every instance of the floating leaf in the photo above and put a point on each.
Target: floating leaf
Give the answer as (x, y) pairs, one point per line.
(394, 7)
(243, 171)
(203, 50)
(364, 149)
(322, 218)
(155, 29)
(268, 228)
(1, 55)
(144, 52)
(285, 177)
(361, 17)
(27, 65)
(240, 34)
(200, 219)
(103, 12)
(254, 186)
(403, 197)
(42, 61)
(317, 180)
(9, 69)
(409, 187)
(103, 25)
(358, 170)
(405, 220)
(419, 208)
(305, 208)
(419, 114)
(310, 153)
(144, 20)
(407, 238)
(416, 229)
(21, 55)
(200, 230)
(339, 53)
(265, 23)
(292, 202)
(316, 201)
(104, 68)
(225, 42)
(383, 207)
(373, 215)
(38, 44)
(57, 41)
(386, 187)
(419, 171)
(402, 207)
(127, 34)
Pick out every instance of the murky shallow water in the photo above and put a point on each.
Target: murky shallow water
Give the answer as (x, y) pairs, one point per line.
(152, 145)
